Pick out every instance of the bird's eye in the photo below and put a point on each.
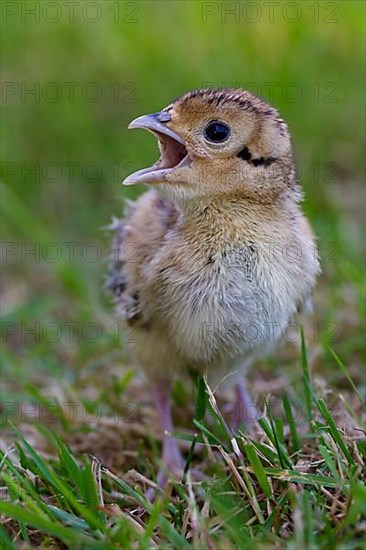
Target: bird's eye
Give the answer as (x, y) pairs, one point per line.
(216, 131)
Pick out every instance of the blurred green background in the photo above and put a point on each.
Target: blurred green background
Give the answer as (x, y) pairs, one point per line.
(65, 149)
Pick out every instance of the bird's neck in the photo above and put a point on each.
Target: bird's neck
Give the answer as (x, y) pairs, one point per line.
(229, 218)
(225, 207)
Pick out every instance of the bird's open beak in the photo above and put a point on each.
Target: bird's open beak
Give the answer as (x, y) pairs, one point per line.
(173, 152)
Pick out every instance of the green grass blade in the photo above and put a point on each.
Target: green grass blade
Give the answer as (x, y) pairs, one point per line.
(270, 430)
(266, 452)
(210, 435)
(333, 430)
(328, 460)
(66, 458)
(258, 469)
(358, 503)
(308, 391)
(177, 540)
(304, 478)
(128, 490)
(88, 487)
(292, 425)
(201, 399)
(69, 520)
(309, 527)
(190, 457)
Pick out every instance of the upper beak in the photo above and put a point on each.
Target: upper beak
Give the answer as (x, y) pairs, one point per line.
(172, 148)
(155, 123)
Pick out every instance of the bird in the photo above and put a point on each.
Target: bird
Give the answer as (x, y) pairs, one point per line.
(211, 264)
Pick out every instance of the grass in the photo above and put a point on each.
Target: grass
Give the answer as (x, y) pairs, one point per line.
(289, 485)
(80, 439)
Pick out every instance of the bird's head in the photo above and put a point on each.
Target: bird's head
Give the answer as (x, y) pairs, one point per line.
(217, 142)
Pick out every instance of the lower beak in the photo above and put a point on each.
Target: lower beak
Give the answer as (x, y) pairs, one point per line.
(172, 148)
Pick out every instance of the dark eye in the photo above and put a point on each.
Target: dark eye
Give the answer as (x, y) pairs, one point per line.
(216, 131)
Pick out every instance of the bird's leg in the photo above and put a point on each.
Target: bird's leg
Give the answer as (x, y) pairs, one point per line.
(241, 413)
(171, 457)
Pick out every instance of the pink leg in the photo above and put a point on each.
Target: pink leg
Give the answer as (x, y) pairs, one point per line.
(171, 457)
(242, 413)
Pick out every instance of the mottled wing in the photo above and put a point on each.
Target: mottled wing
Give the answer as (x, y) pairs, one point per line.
(137, 239)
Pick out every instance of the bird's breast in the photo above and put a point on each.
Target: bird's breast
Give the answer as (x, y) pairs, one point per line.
(221, 304)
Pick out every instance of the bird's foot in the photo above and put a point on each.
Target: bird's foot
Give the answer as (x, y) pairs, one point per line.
(172, 466)
(172, 469)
